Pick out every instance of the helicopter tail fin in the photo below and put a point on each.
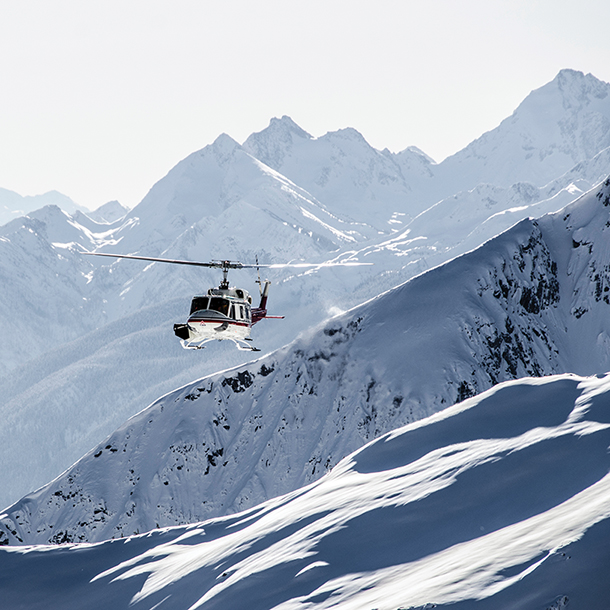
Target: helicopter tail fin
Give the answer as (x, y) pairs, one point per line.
(264, 294)
(260, 312)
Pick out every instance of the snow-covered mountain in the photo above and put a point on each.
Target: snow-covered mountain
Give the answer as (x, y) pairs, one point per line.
(343, 171)
(13, 205)
(109, 212)
(563, 123)
(281, 195)
(531, 302)
(500, 502)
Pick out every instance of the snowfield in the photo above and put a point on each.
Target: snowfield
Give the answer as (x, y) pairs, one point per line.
(499, 502)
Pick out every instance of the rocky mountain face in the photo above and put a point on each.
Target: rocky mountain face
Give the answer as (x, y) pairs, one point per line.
(531, 302)
(509, 489)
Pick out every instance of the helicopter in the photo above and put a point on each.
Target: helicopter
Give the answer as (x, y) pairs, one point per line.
(225, 313)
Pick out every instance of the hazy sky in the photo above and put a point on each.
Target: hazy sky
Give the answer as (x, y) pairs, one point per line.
(101, 98)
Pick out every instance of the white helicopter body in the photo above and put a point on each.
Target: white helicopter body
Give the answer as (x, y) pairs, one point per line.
(224, 312)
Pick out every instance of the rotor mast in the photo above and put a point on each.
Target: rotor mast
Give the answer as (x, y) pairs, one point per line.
(224, 284)
(225, 266)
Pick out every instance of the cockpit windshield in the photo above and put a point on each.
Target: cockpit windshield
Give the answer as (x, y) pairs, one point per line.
(219, 304)
(199, 303)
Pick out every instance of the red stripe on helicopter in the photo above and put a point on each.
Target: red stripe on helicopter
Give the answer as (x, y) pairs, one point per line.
(217, 322)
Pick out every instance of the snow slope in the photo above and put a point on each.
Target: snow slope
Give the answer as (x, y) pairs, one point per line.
(531, 302)
(557, 126)
(500, 502)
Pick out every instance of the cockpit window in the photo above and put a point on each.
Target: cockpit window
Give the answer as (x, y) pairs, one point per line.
(219, 304)
(199, 303)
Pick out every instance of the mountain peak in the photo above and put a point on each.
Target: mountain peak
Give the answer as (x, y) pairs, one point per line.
(577, 87)
(109, 212)
(225, 142)
(273, 143)
(558, 125)
(223, 147)
(347, 133)
(570, 91)
(414, 151)
(286, 124)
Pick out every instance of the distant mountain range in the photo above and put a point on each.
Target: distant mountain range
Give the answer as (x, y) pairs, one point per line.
(13, 205)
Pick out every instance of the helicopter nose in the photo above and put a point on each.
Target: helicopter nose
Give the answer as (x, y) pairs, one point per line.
(182, 331)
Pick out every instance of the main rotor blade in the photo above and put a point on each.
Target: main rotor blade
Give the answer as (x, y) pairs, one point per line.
(305, 265)
(231, 264)
(213, 264)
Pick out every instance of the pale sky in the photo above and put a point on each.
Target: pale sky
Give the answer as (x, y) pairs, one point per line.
(101, 98)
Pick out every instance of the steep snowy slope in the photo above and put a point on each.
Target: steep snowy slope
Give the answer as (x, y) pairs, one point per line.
(533, 301)
(74, 384)
(563, 123)
(500, 502)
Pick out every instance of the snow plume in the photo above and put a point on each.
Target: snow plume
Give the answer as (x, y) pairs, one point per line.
(531, 302)
(498, 502)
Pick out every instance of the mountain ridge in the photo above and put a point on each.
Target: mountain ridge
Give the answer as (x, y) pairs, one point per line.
(498, 502)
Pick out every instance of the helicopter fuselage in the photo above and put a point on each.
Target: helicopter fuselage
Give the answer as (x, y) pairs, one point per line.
(224, 313)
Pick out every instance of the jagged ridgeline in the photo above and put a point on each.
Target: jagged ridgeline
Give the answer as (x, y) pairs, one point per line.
(530, 302)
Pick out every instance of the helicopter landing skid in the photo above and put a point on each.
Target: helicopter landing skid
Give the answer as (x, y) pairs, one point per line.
(240, 345)
(194, 344)
(200, 344)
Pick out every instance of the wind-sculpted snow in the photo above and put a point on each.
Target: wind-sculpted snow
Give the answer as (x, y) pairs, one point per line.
(499, 502)
(528, 303)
